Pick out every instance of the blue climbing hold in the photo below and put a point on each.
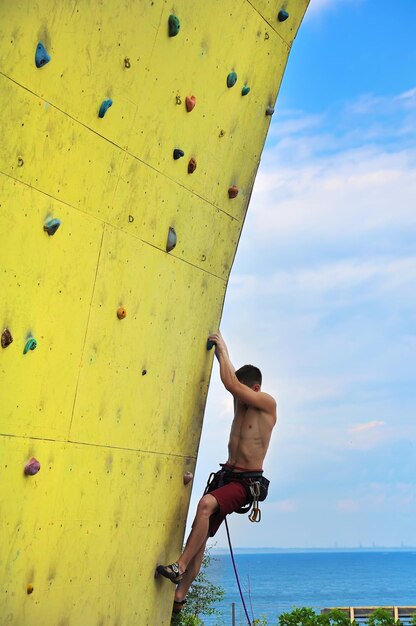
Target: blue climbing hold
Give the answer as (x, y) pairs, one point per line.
(210, 344)
(231, 79)
(51, 226)
(104, 107)
(41, 55)
(172, 239)
(282, 15)
(31, 344)
(177, 154)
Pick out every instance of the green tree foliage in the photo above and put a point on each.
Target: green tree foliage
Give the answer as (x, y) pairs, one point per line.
(381, 617)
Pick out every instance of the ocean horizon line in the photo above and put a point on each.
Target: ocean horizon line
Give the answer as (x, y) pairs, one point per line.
(280, 550)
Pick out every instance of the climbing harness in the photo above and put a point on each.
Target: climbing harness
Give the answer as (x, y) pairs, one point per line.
(255, 484)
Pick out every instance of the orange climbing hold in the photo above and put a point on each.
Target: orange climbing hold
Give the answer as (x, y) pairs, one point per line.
(121, 313)
(29, 589)
(190, 102)
(233, 192)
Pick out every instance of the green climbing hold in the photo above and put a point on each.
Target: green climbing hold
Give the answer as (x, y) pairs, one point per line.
(31, 344)
(174, 25)
(245, 90)
(210, 344)
(231, 79)
(282, 15)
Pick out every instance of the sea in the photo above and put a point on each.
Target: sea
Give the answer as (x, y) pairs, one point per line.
(276, 582)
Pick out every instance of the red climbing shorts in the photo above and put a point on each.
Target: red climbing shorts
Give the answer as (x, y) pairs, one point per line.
(230, 498)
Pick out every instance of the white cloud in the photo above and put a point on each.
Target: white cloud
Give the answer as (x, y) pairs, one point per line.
(367, 426)
(317, 6)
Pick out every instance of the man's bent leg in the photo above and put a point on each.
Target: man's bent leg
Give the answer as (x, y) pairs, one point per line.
(196, 540)
(199, 533)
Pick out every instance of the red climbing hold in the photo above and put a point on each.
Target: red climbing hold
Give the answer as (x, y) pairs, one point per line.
(32, 467)
(190, 102)
(191, 166)
(6, 338)
(121, 313)
(187, 477)
(233, 192)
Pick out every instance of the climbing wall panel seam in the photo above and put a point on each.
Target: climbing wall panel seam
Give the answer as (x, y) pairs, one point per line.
(269, 23)
(86, 331)
(118, 228)
(118, 147)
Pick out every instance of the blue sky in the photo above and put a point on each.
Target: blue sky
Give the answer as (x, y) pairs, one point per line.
(322, 295)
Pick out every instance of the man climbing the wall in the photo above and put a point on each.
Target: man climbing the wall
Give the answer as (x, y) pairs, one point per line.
(240, 482)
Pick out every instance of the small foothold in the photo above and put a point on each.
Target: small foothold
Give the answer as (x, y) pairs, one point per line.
(20, 162)
(269, 110)
(233, 192)
(210, 344)
(221, 133)
(177, 154)
(127, 63)
(41, 55)
(172, 239)
(29, 589)
(245, 90)
(32, 467)
(51, 226)
(187, 477)
(31, 344)
(174, 25)
(178, 100)
(121, 313)
(231, 79)
(191, 166)
(282, 16)
(104, 107)
(6, 338)
(131, 219)
(144, 372)
(190, 102)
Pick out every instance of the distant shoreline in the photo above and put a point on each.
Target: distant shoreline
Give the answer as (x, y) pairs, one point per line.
(269, 550)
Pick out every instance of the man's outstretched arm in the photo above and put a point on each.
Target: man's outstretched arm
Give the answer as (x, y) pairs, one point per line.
(248, 396)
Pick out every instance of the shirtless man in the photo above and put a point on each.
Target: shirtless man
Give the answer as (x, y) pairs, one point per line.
(254, 419)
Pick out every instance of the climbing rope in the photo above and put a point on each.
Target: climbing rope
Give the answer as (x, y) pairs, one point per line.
(236, 574)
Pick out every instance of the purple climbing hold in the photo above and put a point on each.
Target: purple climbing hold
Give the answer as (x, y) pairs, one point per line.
(32, 467)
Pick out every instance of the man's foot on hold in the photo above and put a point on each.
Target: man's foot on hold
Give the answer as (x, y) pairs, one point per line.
(178, 606)
(171, 571)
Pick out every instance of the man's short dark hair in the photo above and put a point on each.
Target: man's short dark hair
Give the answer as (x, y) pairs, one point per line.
(249, 375)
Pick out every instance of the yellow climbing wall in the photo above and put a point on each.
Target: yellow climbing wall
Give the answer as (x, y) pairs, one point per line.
(112, 409)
